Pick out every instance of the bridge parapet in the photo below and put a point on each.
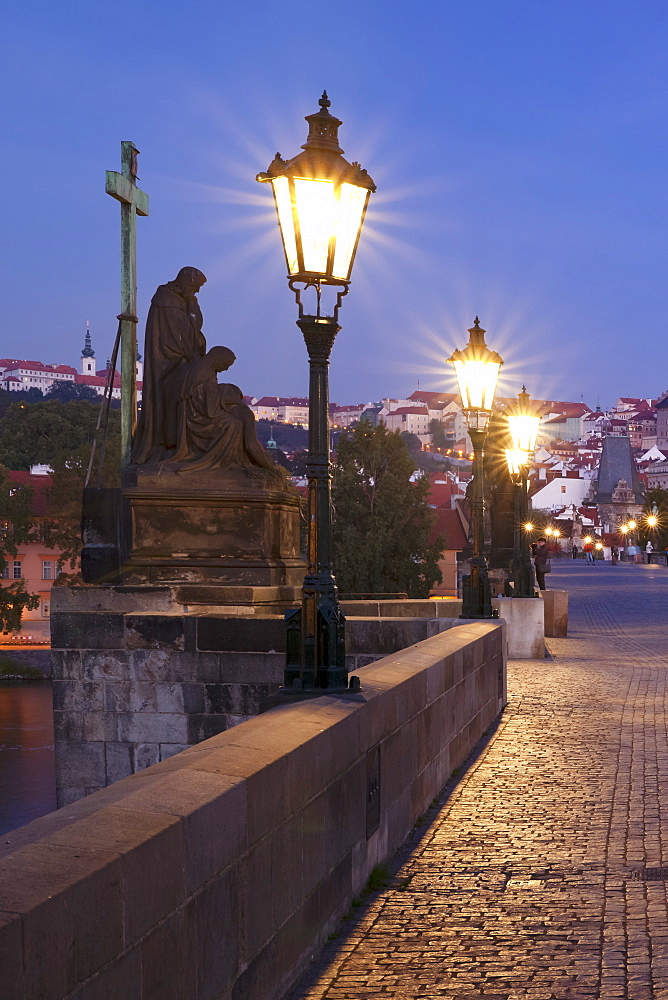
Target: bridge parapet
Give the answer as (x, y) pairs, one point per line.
(216, 874)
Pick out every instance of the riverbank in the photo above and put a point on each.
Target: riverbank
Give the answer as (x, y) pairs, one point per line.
(25, 664)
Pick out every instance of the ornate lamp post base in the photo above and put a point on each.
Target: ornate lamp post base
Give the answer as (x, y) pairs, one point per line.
(476, 594)
(315, 642)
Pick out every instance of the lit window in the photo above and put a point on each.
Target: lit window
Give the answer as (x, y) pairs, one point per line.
(17, 569)
(46, 610)
(47, 568)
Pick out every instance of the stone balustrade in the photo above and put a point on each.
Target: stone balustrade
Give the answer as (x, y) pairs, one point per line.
(217, 873)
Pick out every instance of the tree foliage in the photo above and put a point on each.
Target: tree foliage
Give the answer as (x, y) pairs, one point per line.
(658, 535)
(61, 436)
(41, 433)
(67, 392)
(16, 527)
(381, 518)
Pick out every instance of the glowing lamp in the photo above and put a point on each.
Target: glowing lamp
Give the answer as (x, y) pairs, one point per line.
(632, 524)
(528, 526)
(523, 424)
(517, 461)
(587, 539)
(624, 529)
(477, 370)
(321, 201)
(652, 520)
(598, 546)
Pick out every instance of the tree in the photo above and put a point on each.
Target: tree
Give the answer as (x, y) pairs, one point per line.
(66, 392)
(658, 535)
(16, 527)
(24, 396)
(438, 438)
(61, 528)
(39, 433)
(412, 442)
(381, 518)
(61, 436)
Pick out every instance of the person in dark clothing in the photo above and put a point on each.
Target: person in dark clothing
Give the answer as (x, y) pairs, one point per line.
(541, 558)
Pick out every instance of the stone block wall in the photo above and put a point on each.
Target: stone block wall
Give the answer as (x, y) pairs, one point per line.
(216, 874)
(131, 689)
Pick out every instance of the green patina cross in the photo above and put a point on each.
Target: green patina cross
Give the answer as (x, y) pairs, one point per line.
(134, 202)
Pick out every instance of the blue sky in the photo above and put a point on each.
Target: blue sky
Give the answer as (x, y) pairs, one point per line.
(519, 149)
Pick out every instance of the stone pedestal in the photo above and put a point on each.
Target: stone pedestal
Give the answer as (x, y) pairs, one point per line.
(526, 627)
(232, 528)
(556, 613)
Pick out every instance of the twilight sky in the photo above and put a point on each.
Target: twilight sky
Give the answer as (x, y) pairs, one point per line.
(519, 149)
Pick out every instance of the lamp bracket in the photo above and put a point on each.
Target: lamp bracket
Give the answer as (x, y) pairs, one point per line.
(317, 284)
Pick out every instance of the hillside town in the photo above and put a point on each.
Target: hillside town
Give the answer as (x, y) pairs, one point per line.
(590, 471)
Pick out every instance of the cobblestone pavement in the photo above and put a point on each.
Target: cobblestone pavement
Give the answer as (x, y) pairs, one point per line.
(521, 883)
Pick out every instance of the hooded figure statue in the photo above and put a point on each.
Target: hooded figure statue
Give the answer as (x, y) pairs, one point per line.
(173, 338)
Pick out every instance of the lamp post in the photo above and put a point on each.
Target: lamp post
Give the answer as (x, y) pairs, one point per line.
(477, 370)
(321, 201)
(523, 426)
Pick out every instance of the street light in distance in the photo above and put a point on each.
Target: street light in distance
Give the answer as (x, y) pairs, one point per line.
(477, 371)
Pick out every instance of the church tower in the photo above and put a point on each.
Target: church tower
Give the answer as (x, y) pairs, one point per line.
(87, 355)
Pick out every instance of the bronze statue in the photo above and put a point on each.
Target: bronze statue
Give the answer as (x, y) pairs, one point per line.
(188, 421)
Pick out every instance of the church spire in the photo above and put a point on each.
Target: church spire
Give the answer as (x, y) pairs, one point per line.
(88, 351)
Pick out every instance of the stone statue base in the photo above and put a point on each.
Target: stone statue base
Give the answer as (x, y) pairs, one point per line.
(234, 528)
(227, 537)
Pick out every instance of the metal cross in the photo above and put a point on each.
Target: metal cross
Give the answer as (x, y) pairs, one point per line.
(134, 202)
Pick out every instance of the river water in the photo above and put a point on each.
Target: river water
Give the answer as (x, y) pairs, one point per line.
(27, 759)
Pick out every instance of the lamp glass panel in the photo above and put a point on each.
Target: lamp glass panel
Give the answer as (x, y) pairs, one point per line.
(352, 201)
(477, 420)
(477, 383)
(523, 431)
(286, 221)
(316, 210)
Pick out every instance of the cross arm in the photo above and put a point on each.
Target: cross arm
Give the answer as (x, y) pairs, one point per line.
(126, 192)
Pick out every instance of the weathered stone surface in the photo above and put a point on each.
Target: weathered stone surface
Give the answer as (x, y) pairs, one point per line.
(526, 629)
(232, 859)
(555, 603)
(83, 630)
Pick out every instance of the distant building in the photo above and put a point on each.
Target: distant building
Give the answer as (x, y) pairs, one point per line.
(561, 491)
(617, 491)
(282, 409)
(662, 423)
(411, 419)
(19, 376)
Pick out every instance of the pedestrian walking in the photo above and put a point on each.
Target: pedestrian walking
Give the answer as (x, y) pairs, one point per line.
(589, 551)
(541, 561)
(574, 551)
(614, 554)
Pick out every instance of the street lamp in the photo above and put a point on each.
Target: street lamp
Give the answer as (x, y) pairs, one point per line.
(321, 201)
(477, 370)
(523, 426)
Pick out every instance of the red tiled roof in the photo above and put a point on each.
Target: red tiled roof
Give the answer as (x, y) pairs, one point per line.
(39, 367)
(448, 524)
